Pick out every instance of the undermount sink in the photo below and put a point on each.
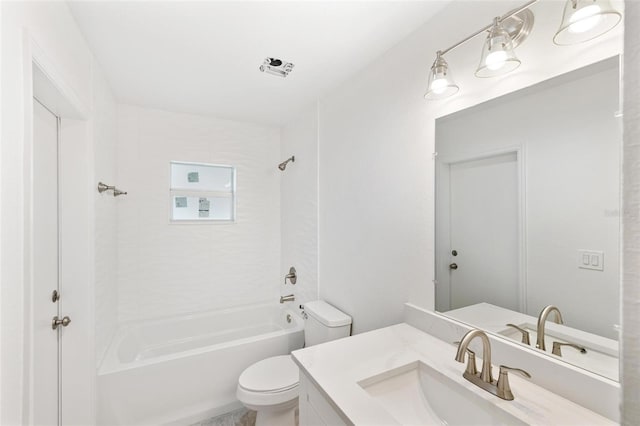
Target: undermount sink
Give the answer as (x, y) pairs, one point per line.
(601, 355)
(417, 394)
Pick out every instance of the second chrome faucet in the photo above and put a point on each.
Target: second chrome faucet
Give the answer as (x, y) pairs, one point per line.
(542, 319)
(484, 379)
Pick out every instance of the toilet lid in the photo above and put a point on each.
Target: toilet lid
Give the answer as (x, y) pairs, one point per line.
(273, 374)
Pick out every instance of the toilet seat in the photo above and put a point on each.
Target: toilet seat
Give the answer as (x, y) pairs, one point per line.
(275, 374)
(270, 382)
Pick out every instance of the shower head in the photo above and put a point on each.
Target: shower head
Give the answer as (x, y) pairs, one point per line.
(283, 165)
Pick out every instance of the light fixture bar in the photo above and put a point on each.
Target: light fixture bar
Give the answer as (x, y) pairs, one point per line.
(488, 27)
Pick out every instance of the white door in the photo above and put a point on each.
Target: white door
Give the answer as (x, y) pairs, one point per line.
(49, 320)
(483, 232)
(47, 342)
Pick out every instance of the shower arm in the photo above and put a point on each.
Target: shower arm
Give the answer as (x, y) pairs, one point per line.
(283, 165)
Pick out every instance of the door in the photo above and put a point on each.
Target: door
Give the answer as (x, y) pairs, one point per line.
(483, 221)
(47, 341)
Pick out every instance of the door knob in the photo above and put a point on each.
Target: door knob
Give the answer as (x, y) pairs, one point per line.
(57, 321)
(453, 266)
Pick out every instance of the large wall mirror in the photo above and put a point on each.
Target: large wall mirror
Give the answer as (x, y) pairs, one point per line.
(528, 216)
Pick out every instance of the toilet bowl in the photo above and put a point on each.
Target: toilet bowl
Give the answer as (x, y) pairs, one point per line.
(270, 386)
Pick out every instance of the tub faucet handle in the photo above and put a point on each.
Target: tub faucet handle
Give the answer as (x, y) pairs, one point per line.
(291, 276)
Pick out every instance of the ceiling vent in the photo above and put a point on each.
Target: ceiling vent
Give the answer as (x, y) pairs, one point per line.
(277, 67)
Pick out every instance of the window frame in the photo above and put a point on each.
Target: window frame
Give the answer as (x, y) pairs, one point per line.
(173, 192)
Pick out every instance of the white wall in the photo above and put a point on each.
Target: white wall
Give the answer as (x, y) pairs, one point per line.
(376, 168)
(299, 205)
(631, 221)
(570, 140)
(167, 269)
(49, 28)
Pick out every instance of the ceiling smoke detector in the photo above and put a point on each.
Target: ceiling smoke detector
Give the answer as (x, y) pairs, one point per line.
(277, 67)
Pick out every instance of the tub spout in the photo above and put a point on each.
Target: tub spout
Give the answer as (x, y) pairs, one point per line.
(288, 298)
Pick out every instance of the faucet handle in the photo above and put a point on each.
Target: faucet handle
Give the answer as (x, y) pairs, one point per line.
(471, 361)
(557, 348)
(525, 333)
(504, 389)
(292, 276)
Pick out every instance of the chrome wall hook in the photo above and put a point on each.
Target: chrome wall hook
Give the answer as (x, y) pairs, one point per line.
(102, 187)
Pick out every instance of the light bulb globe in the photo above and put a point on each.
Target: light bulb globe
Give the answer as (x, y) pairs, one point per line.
(584, 20)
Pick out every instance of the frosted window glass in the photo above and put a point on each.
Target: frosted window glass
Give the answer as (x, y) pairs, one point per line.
(202, 192)
(201, 177)
(218, 208)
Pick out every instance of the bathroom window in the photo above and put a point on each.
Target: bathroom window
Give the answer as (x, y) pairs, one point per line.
(202, 192)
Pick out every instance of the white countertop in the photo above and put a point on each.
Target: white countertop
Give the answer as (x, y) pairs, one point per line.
(488, 317)
(337, 367)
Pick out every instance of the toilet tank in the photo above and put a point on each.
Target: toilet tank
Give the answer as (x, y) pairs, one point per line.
(324, 323)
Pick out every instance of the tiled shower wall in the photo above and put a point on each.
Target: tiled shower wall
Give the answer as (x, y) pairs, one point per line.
(166, 269)
(299, 215)
(104, 152)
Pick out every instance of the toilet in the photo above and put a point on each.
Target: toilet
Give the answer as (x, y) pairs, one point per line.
(270, 386)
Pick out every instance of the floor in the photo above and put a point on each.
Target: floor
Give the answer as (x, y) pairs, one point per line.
(239, 417)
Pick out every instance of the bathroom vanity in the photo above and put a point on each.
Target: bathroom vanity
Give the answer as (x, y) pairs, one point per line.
(402, 375)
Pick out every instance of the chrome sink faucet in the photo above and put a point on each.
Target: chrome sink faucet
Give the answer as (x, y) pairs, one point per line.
(485, 374)
(484, 379)
(542, 319)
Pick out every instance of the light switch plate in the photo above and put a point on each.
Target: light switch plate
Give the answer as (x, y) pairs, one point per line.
(591, 259)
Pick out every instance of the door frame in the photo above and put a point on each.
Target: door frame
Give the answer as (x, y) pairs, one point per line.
(58, 96)
(442, 220)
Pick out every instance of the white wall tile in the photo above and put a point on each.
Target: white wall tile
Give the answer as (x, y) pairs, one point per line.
(167, 269)
(105, 137)
(299, 213)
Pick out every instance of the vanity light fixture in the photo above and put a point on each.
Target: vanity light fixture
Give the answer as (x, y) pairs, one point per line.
(584, 20)
(498, 56)
(441, 84)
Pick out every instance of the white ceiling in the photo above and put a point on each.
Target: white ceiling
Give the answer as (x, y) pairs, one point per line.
(203, 57)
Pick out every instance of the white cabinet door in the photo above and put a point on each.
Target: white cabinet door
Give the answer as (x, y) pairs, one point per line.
(315, 409)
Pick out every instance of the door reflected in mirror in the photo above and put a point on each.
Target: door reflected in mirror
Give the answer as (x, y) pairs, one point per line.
(527, 216)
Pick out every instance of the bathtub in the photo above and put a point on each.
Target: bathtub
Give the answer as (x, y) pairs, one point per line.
(183, 369)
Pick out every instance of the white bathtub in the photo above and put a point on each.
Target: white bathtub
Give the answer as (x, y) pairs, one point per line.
(186, 368)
